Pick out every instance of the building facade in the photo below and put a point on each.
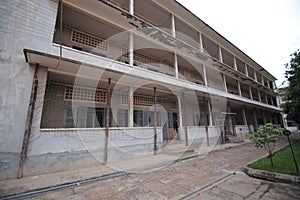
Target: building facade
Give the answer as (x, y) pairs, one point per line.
(97, 81)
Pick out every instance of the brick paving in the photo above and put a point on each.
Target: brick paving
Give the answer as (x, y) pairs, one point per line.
(215, 176)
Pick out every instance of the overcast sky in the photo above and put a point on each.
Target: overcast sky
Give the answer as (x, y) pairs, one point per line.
(266, 30)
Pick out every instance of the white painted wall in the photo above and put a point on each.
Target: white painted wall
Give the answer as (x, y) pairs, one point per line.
(24, 24)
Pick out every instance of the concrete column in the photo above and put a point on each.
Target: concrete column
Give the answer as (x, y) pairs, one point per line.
(250, 92)
(130, 106)
(225, 84)
(239, 88)
(131, 7)
(200, 43)
(173, 28)
(205, 76)
(155, 123)
(255, 76)
(244, 116)
(220, 55)
(259, 97)
(176, 65)
(131, 49)
(234, 63)
(209, 112)
(272, 102)
(185, 120)
(277, 101)
(264, 116)
(255, 120)
(274, 85)
(246, 70)
(268, 83)
(180, 117)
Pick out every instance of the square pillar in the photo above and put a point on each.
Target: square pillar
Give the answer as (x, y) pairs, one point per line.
(130, 106)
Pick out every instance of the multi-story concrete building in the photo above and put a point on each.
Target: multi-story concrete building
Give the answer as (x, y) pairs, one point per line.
(139, 72)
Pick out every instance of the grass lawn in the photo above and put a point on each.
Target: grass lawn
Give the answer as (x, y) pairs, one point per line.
(283, 161)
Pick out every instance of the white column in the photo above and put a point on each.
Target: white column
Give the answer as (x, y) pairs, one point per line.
(180, 116)
(200, 43)
(130, 106)
(259, 97)
(225, 84)
(131, 49)
(239, 88)
(272, 102)
(173, 28)
(246, 70)
(268, 83)
(220, 54)
(250, 92)
(234, 63)
(131, 7)
(255, 76)
(205, 76)
(176, 65)
(274, 85)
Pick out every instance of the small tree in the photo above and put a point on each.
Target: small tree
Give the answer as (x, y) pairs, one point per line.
(266, 137)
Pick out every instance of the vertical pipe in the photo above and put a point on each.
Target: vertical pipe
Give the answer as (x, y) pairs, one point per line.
(107, 120)
(30, 114)
(155, 123)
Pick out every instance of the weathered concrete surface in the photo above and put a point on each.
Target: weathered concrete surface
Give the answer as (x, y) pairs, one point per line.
(272, 176)
(241, 186)
(215, 176)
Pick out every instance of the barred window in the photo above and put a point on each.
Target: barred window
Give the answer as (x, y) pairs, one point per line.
(89, 40)
(85, 94)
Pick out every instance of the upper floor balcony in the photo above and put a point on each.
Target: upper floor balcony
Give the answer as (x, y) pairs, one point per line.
(83, 31)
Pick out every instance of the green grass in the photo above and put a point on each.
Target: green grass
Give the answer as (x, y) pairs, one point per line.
(283, 161)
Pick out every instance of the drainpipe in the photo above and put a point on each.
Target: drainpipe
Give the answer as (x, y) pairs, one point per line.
(30, 113)
(107, 120)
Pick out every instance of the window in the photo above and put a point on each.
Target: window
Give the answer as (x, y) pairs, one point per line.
(86, 117)
(145, 118)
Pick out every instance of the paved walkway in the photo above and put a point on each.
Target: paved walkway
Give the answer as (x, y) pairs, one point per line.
(186, 179)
